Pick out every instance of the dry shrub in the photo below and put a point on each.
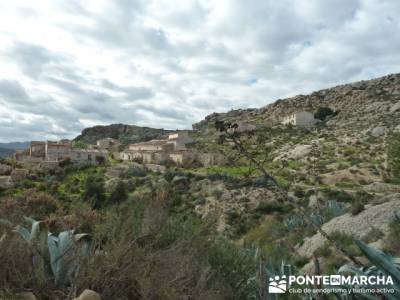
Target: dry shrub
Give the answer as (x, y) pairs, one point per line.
(81, 219)
(19, 269)
(32, 203)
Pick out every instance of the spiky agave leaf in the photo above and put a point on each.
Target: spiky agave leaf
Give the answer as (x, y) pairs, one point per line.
(66, 253)
(36, 237)
(383, 261)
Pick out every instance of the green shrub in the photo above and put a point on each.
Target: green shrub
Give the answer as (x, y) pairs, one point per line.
(323, 112)
(119, 193)
(94, 190)
(338, 195)
(356, 207)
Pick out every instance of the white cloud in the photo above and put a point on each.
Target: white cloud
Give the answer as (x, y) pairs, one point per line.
(169, 63)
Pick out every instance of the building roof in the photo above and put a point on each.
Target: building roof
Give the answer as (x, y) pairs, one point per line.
(152, 142)
(90, 151)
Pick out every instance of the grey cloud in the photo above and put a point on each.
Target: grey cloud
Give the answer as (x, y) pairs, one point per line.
(32, 59)
(132, 92)
(12, 91)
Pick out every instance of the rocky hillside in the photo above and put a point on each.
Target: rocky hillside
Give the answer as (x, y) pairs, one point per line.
(124, 133)
(359, 105)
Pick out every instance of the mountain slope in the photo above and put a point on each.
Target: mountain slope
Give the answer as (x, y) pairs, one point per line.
(360, 105)
(122, 132)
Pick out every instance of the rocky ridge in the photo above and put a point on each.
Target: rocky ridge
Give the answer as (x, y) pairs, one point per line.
(358, 104)
(124, 133)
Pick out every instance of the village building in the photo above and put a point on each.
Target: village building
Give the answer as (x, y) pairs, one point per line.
(179, 140)
(301, 119)
(172, 149)
(107, 143)
(47, 152)
(56, 151)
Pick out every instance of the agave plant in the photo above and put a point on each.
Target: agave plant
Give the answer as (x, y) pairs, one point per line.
(382, 264)
(67, 253)
(335, 208)
(36, 237)
(63, 254)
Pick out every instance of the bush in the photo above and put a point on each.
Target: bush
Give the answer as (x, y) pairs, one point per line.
(29, 203)
(100, 160)
(119, 193)
(356, 207)
(338, 195)
(323, 112)
(95, 191)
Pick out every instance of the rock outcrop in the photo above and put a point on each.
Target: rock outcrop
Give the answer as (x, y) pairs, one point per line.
(358, 104)
(122, 132)
(376, 217)
(89, 295)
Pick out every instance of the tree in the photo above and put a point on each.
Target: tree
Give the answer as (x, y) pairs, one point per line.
(119, 193)
(95, 191)
(323, 112)
(393, 158)
(80, 144)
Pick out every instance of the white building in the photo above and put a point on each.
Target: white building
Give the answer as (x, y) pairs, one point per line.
(302, 118)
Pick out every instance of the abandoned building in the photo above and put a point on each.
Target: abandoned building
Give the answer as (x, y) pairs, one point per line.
(55, 151)
(107, 143)
(172, 149)
(302, 119)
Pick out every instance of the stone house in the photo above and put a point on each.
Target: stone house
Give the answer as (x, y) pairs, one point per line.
(182, 157)
(179, 140)
(107, 143)
(25, 156)
(87, 155)
(37, 149)
(301, 118)
(55, 151)
(173, 148)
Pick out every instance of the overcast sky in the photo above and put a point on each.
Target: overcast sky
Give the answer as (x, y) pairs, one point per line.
(69, 64)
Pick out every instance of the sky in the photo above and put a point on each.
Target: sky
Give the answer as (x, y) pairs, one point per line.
(70, 64)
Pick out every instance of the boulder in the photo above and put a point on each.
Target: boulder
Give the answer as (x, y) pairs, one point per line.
(395, 107)
(300, 151)
(5, 169)
(26, 296)
(155, 168)
(5, 182)
(19, 174)
(89, 295)
(382, 187)
(376, 217)
(378, 131)
(179, 179)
